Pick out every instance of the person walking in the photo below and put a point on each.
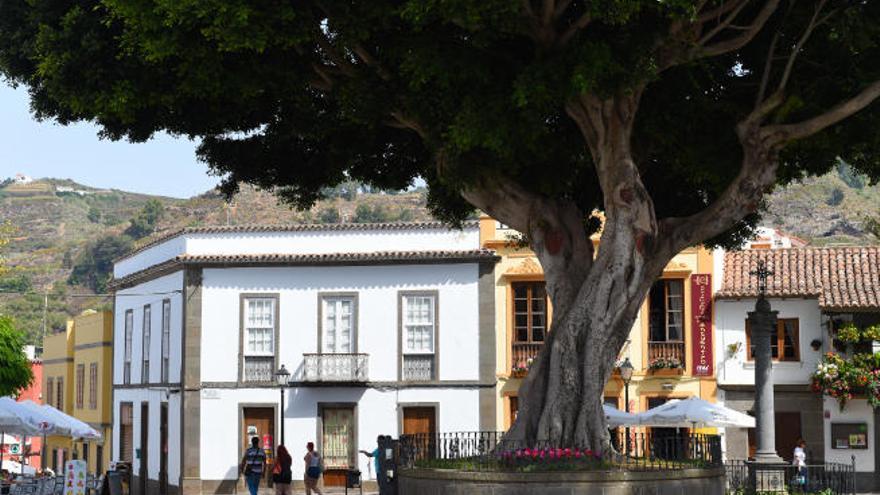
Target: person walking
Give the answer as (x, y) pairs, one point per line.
(281, 475)
(314, 468)
(375, 456)
(799, 459)
(253, 465)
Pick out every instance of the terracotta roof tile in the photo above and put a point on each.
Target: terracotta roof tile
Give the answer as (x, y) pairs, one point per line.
(840, 277)
(326, 259)
(333, 227)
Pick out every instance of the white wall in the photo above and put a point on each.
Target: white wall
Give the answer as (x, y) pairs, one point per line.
(376, 411)
(154, 397)
(304, 242)
(135, 298)
(856, 411)
(377, 328)
(730, 320)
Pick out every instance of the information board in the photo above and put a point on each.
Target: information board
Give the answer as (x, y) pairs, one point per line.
(849, 435)
(75, 477)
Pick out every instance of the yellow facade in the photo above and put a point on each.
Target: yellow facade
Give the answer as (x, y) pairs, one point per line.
(82, 358)
(520, 265)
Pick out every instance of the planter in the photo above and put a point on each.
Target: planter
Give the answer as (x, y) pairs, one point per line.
(660, 482)
(518, 374)
(667, 371)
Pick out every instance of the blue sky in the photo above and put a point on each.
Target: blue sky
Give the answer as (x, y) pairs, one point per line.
(164, 165)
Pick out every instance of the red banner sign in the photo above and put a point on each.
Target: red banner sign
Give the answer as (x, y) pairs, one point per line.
(701, 323)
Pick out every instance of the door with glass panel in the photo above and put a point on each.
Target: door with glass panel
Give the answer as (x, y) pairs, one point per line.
(338, 443)
(338, 338)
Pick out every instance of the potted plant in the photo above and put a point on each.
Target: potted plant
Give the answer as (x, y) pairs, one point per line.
(666, 366)
(733, 349)
(521, 368)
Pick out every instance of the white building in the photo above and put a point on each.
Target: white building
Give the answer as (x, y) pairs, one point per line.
(385, 328)
(814, 290)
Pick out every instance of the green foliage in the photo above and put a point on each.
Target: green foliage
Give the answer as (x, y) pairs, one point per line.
(851, 177)
(16, 283)
(835, 198)
(94, 214)
(364, 213)
(329, 215)
(849, 333)
(489, 100)
(144, 223)
(15, 368)
(94, 266)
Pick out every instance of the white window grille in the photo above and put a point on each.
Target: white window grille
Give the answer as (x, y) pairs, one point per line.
(126, 368)
(338, 332)
(259, 339)
(147, 328)
(166, 338)
(419, 330)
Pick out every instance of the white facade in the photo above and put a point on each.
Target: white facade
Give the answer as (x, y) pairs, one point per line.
(209, 304)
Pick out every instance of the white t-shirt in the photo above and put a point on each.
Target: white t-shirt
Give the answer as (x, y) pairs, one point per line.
(800, 457)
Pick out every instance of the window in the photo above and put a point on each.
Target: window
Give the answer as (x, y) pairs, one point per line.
(259, 339)
(126, 367)
(784, 346)
(147, 328)
(126, 432)
(419, 333)
(80, 384)
(529, 312)
(166, 337)
(85, 451)
(666, 311)
(338, 333)
(93, 386)
(50, 391)
(59, 393)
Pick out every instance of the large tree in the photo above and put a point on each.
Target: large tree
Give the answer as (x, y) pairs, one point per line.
(673, 118)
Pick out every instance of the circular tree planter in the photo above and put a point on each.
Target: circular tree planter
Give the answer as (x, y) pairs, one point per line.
(709, 481)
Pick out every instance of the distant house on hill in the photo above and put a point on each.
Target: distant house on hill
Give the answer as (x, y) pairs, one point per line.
(22, 179)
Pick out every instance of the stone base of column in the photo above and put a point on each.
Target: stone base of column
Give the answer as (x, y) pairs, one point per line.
(766, 475)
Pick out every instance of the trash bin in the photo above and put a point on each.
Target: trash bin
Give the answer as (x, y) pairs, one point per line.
(353, 480)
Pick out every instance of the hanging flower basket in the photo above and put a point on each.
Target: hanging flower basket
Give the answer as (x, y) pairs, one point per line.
(665, 366)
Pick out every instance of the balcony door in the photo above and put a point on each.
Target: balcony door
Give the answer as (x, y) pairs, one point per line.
(529, 323)
(338, 325)
(338, 442)
(666, 322)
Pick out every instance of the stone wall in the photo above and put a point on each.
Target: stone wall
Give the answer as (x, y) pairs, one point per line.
(448, 482)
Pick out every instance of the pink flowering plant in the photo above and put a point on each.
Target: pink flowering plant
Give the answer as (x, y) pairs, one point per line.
(550, 459)
(523, 366)
(844, 378)
(662, 363)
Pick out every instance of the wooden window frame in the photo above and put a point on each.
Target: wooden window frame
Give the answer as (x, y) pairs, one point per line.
(666, 311)
(80, 384)
(401, 335)
(780, 341)
(146, 342)
(529, 312)
(242, 345)
(50, 390)
(166, 340)
(93, 386)
(128, 324)
(126, 429)
(59, 393)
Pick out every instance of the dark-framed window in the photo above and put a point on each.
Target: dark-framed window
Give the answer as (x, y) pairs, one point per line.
(147, 329)
(666, 310)
(126, 359)
(126, 431)
(166, 338)
(784, 346)
(529, 312)
(80, 384)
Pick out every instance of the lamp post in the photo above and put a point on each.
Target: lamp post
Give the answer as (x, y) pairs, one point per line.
(626, 373)
(281, 377)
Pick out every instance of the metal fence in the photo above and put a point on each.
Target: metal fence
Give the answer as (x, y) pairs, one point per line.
(744, 478)
(489, 450)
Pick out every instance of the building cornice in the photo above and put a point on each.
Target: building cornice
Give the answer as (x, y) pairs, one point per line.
(323, 259)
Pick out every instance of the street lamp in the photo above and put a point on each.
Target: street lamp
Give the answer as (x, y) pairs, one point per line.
(626, 373)
(282, 376)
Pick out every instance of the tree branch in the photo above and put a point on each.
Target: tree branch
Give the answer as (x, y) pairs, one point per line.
(741, 40)
(777, 135)
(576, 26)
(722, 25)
(717, 12)
(814, 22)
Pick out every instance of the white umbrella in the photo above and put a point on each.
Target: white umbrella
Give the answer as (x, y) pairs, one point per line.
(694, 411)
(18, 419)
(74, 427)
(47, 424)
(15, 467)
(615, 417)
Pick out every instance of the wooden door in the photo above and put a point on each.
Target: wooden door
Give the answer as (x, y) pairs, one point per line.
(145, 455)
(163, 449)
(258, 422)
(337, 441)
(419, 420)
(788, 432)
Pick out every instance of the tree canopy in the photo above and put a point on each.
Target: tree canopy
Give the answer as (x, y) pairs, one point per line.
(15, 368)
(306, 95)
(673, 118)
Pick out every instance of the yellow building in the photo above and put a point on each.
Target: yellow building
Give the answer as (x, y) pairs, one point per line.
(661, 346)
(77, 369)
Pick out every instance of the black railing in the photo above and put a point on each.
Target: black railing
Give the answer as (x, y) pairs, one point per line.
(745, 478)
(490, 451)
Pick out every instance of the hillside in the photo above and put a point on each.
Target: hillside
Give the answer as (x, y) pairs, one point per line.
(58, 219)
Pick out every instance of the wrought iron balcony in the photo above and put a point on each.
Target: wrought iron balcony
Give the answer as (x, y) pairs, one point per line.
(667, 351)
(338, 368)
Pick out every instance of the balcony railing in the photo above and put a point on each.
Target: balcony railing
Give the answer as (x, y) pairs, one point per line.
(520, 355)
(335, 367)
(666, 351)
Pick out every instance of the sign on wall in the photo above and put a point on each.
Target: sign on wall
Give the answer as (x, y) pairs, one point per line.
(701, 323)
(75, 477)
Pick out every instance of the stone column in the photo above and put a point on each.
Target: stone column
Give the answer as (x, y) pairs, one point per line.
(762, 322)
